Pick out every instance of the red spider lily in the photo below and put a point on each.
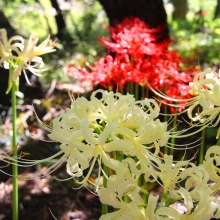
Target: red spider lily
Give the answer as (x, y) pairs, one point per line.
(138, 57)
(133, 36)
(107, 71)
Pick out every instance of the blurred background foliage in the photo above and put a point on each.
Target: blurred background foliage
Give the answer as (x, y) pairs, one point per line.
(198, 34)
(84, 22)
(194, 27)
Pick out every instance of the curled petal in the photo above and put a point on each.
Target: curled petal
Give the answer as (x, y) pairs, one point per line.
(151, 207)
(115, 165)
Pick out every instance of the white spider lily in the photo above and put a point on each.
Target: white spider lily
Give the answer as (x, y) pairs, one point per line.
(204, 108)
(95, 148)
(115, 106)
(89, 135)
(153, 132)
(116, 189)
(137, 124)
(207, 78)
(21, 54)
(197, 198)
(79, 154)
(127, 129)
(133, 173)
(28, 57)
(168, 172)
(7, 45)
(68, 123)
(207, 87)
(198, 180)
(198, 206)
(151, 135)
(211, 164)
(212, 161)
(114, 194)
(128, 211)
(112, 106)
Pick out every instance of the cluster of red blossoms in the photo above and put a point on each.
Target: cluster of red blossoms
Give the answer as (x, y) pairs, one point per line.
(135, 55)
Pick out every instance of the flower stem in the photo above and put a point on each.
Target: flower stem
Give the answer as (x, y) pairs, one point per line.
(136, 92)
(14, 143)
(218, 142)
(104, 206)
(174, 129)
(164, 198)
(202, 147)
(145, 196)
(165, 119)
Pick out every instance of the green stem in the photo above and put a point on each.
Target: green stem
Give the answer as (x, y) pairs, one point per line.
(202, 147)
(14, 143)
(164, 198)
(146, 93)
(140, 181)
(145, 196)
(119, 156)
(104, 206)
(130, 87)
(174, 129)
(165, 119)
(136, 95)
(143, 92)
(218, 142)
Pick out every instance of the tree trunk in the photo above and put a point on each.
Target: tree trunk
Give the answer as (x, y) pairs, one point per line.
(152, 12)
(61, 24)
(217, 10)
(180, 9)
(4, 23)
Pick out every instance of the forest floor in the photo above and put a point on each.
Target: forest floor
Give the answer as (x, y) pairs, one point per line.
(44, 198)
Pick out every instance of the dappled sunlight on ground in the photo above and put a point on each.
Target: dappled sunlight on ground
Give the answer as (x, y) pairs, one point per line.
(38, 198)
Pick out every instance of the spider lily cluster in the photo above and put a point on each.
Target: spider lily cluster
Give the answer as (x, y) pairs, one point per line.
(127, 137)
(101, 130)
